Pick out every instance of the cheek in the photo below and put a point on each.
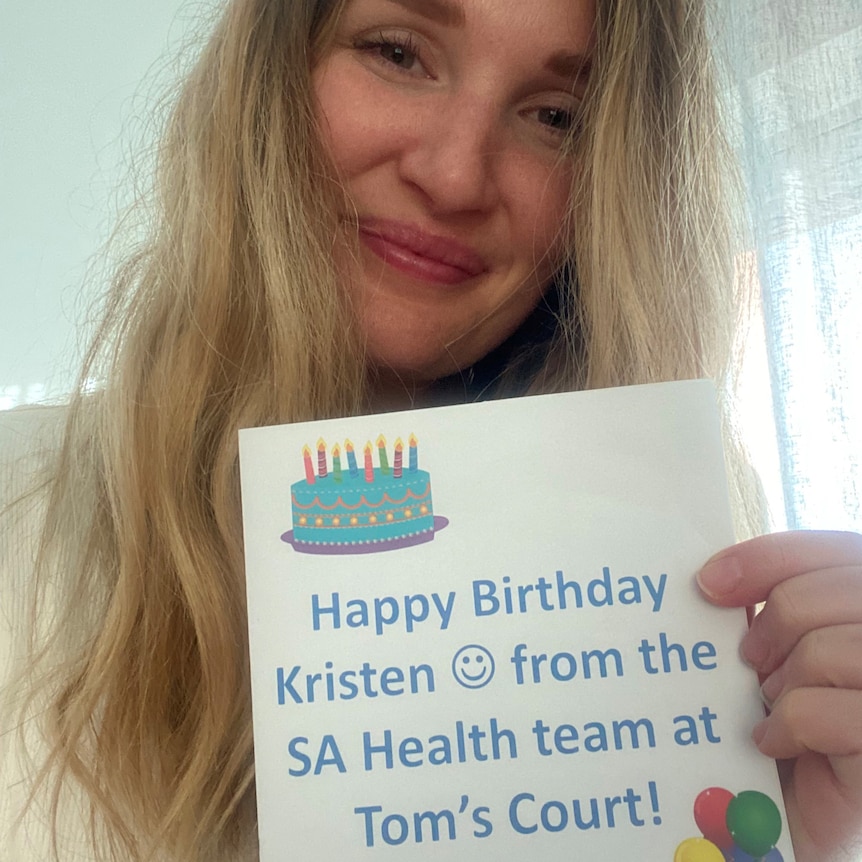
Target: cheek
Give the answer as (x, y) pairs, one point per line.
(353, 120)
(339, 127)
(539, 202)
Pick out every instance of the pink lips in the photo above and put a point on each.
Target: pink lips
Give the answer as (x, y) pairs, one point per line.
(421, 255)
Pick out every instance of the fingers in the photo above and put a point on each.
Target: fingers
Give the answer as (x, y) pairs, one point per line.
(816, 705)
(816, 600)
(830, 657)
(746, 573)
(807, 646)
(827, 721)
(816, 697)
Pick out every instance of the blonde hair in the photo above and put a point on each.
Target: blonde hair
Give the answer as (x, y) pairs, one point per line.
(231, 315)
(652, 228)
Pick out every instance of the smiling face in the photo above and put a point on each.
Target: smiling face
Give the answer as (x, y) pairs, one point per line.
(445, 120)
(473, 666)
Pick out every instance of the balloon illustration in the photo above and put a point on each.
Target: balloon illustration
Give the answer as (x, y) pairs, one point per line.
(710, 814)
(698, 850)
(736, 828)
(754, 822)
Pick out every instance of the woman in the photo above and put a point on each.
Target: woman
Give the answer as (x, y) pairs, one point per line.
(364, 205)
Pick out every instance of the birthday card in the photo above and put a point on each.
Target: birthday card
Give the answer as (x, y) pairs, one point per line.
(475, 634)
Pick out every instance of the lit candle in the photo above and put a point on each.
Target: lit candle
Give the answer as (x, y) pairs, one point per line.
(309, 470)
(321, 458)
(351, 459)
(381, 455)
(399, 448)
(336, 463)
(369, 467)
(414, 453)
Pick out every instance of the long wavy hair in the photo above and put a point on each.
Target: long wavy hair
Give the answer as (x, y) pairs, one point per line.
(231, 314)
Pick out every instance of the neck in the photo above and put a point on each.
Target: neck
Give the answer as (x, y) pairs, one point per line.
(391, 392)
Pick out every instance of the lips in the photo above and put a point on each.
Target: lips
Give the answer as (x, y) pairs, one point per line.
(422, 255)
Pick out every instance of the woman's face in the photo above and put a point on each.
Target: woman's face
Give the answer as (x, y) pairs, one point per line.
(445, 120)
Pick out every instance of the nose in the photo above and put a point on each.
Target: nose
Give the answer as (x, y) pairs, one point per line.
(453, 153)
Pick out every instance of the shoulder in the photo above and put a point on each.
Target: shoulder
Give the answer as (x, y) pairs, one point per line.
(28, 438)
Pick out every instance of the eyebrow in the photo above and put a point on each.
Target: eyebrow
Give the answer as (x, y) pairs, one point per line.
(443, 12)
(573, 67)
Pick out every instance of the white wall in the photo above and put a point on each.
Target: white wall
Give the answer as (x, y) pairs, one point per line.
(76, 80)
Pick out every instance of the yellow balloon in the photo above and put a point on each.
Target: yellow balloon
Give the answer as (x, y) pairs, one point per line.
(698, 850)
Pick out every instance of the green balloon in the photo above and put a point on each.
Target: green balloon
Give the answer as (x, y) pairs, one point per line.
(754, 822)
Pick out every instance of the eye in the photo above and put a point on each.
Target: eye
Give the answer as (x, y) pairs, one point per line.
(398, 51)
(557, 119)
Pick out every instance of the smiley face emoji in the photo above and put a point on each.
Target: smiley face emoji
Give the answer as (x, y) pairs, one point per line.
(473, 666)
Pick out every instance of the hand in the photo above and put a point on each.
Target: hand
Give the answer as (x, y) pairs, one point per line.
(806, 645)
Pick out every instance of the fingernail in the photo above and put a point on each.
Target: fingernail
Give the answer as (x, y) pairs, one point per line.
(758, 733)
(720, 576)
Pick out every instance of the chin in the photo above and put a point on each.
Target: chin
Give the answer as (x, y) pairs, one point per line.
(412, 366)
(414, 352)
(410, 349)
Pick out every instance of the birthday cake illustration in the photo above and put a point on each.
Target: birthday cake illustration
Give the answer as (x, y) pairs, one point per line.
(354, 510)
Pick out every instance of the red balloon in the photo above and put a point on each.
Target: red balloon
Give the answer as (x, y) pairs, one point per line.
(710, 814)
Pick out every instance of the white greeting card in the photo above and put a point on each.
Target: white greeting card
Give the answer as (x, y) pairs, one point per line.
(475, 634)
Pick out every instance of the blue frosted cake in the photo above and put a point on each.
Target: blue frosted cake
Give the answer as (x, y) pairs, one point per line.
(361, 510)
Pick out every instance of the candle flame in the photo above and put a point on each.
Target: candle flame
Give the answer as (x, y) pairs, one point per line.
(398, 445)
(368, 448)
(336, 451)
(306, 452)
(381, 442)
(321, 446)
(413, 441)
(348, 445)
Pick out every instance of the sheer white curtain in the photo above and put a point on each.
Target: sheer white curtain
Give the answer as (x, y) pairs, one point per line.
(796, 83)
